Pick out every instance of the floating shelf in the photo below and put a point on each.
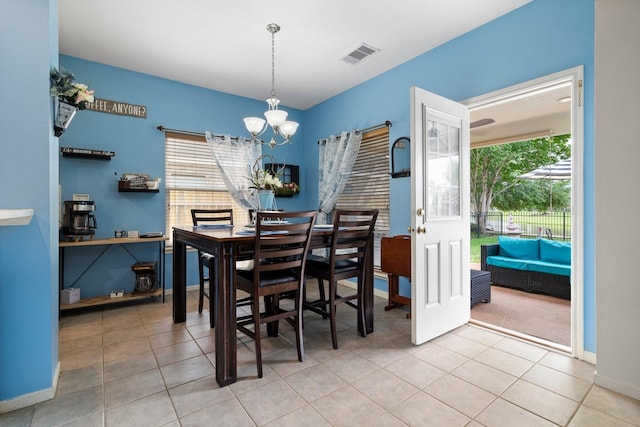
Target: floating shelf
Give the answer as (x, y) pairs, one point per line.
(137, 190)
(15, 216)
(86, 153)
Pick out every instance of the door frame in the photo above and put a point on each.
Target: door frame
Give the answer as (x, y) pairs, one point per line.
(576, 77)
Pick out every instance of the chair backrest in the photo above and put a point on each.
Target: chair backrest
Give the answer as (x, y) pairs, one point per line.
(282, 242)
(209, 216)
(352, 237)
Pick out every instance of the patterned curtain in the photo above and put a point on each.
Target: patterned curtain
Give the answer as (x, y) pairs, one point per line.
(235, 156)
(337, 156)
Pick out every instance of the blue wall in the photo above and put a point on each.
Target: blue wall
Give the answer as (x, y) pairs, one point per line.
(541, 38)
(28, 179)
(139, 148)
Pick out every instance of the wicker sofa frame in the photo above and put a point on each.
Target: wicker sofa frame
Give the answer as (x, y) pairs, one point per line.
(530, 281)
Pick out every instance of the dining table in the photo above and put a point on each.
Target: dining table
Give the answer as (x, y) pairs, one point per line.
(229, 244)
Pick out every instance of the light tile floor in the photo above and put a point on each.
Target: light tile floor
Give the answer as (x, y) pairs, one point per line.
(131, 366)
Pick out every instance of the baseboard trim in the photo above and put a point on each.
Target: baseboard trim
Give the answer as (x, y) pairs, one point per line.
(590, 357)
(189, 288)
(617, 386)
(32, 398)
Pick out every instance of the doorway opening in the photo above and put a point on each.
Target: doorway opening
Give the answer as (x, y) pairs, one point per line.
(542, 108)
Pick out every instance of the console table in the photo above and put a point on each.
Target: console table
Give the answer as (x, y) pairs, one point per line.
(107, 243)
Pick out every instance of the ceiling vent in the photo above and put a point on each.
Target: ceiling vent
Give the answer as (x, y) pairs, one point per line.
(362, 52)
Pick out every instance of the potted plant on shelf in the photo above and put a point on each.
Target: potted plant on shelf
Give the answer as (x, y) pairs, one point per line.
(70, 97)
(288, 189)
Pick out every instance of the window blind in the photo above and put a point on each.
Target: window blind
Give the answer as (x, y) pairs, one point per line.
(368, 184)
(193, 181)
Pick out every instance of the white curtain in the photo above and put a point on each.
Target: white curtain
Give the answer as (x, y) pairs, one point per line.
(337, 156)
(235, 157)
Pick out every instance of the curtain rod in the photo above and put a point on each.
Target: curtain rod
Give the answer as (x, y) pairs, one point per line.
(183, 132)
(188, 132)
(387, 123)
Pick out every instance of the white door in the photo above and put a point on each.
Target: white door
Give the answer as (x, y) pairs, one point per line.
(440, 287)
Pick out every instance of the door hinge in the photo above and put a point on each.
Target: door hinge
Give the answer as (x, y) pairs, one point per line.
(579, 93)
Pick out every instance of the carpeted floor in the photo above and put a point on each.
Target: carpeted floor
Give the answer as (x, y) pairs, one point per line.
(540, 316)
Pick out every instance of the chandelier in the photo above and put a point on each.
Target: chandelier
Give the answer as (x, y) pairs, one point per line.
(277, 119)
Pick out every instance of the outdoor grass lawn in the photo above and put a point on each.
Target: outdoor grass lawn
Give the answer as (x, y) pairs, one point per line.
(476, 242)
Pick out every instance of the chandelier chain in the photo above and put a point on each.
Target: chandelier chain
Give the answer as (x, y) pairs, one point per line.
(275, 118)
(273, 62)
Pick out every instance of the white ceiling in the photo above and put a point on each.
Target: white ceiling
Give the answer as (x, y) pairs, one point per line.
(224, 45)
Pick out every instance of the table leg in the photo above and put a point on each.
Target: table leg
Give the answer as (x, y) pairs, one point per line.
(179, 281)
(368, 290)
(395, 299)
(161, 261)
(225, 316)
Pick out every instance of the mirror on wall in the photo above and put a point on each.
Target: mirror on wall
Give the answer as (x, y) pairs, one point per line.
(401, 157)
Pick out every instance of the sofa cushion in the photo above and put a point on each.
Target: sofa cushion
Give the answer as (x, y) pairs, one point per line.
(519, 248)
(507, 262)
(549, 267)
(556, 252)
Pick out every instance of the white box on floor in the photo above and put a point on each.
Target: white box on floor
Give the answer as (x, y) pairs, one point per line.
(69, 295)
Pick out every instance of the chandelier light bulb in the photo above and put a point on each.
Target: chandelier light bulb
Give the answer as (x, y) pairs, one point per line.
(288, 128)
(254, 125)
(275, 118)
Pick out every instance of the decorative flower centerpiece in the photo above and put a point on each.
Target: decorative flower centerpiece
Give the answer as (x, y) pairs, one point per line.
(67, 90)
(266, 182)
(263, 179)
(70, 96)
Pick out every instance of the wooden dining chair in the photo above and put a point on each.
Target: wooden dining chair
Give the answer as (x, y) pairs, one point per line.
(207, 217)
(281, 246)
(351, 243)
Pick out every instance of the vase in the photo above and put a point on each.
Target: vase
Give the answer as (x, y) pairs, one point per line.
(266, 200)
(64, 114)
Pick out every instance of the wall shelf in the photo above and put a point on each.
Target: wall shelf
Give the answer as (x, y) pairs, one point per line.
(86, 153)
(288, 174)
(15, 216)
(137, 190)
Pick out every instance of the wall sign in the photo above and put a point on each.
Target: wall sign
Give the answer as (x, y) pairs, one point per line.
(120, 108)
(86, 153)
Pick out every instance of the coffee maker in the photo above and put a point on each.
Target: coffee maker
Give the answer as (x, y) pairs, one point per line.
(78, 220)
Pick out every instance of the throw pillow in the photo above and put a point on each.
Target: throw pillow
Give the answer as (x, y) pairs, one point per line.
(554, 251)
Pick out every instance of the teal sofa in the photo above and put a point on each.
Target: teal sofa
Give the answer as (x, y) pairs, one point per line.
(532, 265)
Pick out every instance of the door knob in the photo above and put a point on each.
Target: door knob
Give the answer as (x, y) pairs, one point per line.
(420, 212)
(421, 229)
